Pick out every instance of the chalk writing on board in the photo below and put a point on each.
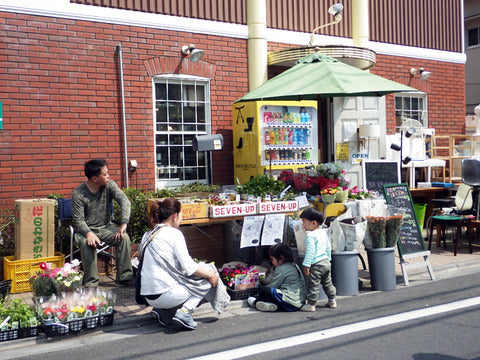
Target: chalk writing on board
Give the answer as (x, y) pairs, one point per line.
(410, 239)
(377, 173)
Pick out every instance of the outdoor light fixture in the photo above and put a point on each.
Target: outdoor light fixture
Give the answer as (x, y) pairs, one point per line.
(397, 147)
(336, 11)
(195, 54)
(424, 75)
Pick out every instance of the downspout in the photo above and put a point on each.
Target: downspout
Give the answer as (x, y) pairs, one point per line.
(124, 130)
(360, 31)
(257, 42)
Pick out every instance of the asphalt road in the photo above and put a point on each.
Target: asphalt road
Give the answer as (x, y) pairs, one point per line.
(378, 325)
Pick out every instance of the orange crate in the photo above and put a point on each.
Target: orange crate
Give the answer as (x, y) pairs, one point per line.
(20, 271)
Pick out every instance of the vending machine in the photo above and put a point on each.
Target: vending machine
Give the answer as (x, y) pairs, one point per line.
(271, 136)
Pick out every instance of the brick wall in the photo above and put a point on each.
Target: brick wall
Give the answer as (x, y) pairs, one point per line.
(60, 89)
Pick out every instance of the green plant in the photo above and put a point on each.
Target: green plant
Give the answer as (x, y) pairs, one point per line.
(261, 185)
(138, 223)
(7, 232)
(196, 187)
(18, 311)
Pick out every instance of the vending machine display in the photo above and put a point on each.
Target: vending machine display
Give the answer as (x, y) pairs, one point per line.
(272, 136)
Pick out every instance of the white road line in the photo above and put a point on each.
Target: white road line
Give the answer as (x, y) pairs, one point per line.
(338, 331)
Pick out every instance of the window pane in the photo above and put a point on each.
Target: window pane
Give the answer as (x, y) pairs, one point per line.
(175, 113)
(200, 94)
(174, 92)
(160, 91)
(473, 37)
(414, 103)
(162, 156)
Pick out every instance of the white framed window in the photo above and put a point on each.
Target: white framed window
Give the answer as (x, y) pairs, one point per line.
(411, 106)
(182, 111)
(473, 37)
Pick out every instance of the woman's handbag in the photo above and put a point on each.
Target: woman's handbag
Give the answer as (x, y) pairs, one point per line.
(140, 299)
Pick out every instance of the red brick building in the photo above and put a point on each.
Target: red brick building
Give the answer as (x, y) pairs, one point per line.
(64, 66)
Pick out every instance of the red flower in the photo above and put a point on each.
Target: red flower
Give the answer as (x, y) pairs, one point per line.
(43, 266)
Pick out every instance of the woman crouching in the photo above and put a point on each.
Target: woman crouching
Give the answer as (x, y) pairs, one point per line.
(171, 281)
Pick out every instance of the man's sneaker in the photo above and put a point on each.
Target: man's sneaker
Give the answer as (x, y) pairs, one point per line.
(308, 307)
(185, 319)
(331, 304)
(162, 316)
(265, 306)
(251, 301)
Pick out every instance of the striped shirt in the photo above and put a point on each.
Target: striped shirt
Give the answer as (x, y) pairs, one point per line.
(317, 247)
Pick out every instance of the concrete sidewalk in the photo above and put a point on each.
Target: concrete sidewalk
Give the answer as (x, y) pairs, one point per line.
(444, 264)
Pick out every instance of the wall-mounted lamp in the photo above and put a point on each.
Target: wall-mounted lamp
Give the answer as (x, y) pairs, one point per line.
(397, 147)
(336, 11)
(195, 54)
(424, 75)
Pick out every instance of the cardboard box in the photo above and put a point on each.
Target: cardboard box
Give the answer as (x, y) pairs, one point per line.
(34, 228)
(193, 210)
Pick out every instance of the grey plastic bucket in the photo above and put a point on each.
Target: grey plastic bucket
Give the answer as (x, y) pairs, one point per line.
(345, 272)
(381, 263)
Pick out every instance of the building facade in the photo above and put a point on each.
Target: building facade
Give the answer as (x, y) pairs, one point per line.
(84, 79)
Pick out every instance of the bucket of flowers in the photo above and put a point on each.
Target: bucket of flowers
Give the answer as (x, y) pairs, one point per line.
(241, 280)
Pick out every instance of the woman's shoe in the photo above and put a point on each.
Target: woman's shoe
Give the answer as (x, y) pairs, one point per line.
(162, 316)
(185, 319)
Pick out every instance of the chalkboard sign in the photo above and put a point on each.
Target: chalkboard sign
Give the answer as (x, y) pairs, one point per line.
(410, 239)
(377, 173)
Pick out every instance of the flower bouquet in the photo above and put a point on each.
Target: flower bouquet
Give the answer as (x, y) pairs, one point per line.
(241, 281)
(68, 278)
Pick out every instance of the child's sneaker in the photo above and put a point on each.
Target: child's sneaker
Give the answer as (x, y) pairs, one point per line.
(251, 301)
(266, 306)
(308, 307)
(331, 304)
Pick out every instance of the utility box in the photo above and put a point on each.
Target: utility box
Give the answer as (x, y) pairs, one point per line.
(34, 228)
(208, 142)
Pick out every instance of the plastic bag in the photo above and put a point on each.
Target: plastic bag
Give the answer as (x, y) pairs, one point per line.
(354, 231)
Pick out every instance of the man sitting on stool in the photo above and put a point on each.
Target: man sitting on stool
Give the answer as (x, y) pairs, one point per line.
(91, 207)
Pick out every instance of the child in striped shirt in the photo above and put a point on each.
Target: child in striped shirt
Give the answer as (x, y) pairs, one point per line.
(316, 264)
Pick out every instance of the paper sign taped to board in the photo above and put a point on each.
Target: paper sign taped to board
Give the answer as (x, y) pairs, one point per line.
(251, 231)
(273, 229)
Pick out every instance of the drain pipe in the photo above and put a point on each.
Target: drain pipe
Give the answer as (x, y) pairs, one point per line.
(257, 42)
(125, 154)
(360, 31)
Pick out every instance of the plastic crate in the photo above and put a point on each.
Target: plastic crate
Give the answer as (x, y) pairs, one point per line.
(54, 329)
(20, 271)
(26, 332)
(242, 294)
(8, 335)
(90, 322)
(105, 319)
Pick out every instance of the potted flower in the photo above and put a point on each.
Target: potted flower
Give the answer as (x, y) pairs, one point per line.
(68, 277)
(328, 195)
(42, 281)
(241, 281)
